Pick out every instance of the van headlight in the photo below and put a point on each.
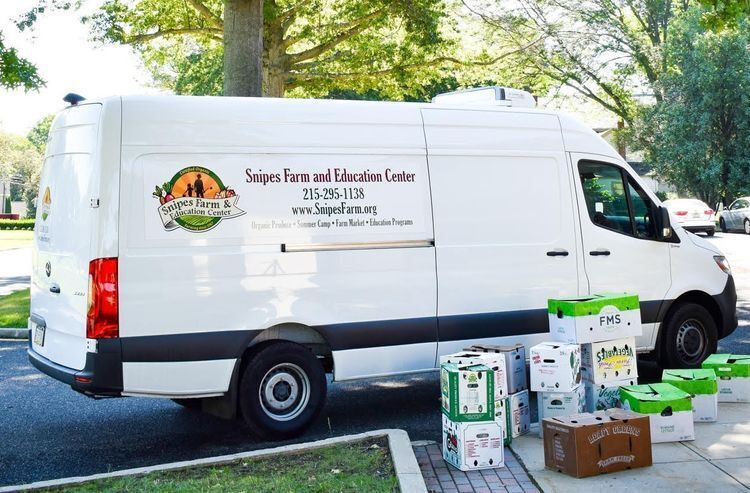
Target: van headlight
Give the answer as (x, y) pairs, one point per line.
(723, 264)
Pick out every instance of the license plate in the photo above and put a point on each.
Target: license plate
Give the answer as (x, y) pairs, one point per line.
(39, 331)
(696, 214)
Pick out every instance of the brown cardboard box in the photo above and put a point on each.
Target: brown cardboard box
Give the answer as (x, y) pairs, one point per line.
(588, 444)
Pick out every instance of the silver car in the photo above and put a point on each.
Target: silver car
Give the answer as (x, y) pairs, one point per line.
(736, 216)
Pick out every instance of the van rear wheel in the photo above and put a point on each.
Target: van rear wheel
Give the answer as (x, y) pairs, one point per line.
(282, 390)
(689, 336)
(722, 225)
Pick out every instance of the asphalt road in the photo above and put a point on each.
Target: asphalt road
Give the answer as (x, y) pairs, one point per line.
(48, 431)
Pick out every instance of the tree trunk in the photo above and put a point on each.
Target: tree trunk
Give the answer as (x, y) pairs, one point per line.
(243, 47)
(275, 64)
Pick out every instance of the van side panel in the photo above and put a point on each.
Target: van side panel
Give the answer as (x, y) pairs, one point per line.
(287, 252)
(502, 202)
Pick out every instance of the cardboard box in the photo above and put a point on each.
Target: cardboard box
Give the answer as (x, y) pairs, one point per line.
(597, 443)
(515, 363)
(501, 418)
(733, 376)
(594, 318)
(519, 417)
(600, 397)
(553, 404)
(609, 361)
(555, 367)
(495, 361)
(670, 410)
(469, 446)
(702, 385)
(467, 392)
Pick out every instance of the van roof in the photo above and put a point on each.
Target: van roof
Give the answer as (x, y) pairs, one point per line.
(217, 111)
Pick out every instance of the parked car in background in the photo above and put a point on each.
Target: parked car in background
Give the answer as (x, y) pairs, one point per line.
(736, 216)
(693, 215)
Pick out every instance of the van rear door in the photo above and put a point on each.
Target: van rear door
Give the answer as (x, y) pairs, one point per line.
(62, 237)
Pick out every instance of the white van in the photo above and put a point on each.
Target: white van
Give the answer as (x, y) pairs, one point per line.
(229, 252)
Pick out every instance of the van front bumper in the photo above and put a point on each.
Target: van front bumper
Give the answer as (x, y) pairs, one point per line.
(100, 377)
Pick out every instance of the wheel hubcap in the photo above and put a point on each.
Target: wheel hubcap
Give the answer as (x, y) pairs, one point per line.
(691, 341)
(747, 227)
(284, 392)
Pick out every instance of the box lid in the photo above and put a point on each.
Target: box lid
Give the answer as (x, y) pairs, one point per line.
(455, 367)
(592, 305)
(655, 398)
(729, 365)
(702, 381)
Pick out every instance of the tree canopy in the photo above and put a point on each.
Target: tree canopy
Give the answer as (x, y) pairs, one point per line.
(698, 136)
(311, 47)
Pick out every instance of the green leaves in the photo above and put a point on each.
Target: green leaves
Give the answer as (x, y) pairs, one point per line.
(698, 136)
(16, 71)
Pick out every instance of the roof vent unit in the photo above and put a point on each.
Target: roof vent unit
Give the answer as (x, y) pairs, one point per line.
(491, 95)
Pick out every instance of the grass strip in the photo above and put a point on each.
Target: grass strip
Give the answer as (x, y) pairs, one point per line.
(14, 309)
(363, 466)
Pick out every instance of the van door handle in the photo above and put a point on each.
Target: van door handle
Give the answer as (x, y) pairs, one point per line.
(597, 253)
(55, 289)
(557, 253)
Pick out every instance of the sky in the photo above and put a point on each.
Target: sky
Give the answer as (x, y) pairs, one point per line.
(60, 48)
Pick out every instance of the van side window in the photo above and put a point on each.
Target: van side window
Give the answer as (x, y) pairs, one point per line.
(615, 201)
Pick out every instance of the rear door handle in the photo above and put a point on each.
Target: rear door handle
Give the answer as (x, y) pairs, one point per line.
(558, 253)
(597, 253)
(54, 289)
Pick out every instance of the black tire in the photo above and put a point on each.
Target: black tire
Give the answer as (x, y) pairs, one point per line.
(282, 390)
(746, 225)
(689, 336)
(722, 225)
(192, 404)
(710, 232)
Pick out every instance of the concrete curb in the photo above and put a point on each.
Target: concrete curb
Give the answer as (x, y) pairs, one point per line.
(404, 462)
(14, 333)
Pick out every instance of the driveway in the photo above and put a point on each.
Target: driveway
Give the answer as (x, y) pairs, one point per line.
(47, 431)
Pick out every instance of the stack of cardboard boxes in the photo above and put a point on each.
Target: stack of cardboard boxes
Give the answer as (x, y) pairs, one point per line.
(556, 377)
(516, 418)
(605, 326)
(473, 386)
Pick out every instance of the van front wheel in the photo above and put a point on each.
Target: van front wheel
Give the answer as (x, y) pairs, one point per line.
(282, 390)
(690, 335)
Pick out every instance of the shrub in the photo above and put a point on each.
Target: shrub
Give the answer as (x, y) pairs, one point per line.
(27, 224)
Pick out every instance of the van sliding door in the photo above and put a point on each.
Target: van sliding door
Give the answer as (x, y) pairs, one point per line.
(504, 224)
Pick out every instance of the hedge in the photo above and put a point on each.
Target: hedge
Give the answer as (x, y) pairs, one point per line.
(27, 224)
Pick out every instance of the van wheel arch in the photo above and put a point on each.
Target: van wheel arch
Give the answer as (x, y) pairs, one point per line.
(298, 333)
(698, 298)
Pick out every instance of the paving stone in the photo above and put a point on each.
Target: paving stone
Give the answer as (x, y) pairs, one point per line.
(483, 489)
(510, 482)
(465, 488)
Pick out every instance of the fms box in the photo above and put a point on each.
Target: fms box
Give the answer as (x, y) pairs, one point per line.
(594, 318)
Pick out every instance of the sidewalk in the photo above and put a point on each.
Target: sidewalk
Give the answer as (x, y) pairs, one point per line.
(718, 460)
(442, 478)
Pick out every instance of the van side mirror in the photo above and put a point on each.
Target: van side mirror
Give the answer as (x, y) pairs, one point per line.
(664, 226)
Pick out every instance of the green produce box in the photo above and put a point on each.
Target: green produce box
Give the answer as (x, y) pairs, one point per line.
(733, 376)
(594, 318)
(694, 382)
(670, 410)
(467, 392)
(702, 384)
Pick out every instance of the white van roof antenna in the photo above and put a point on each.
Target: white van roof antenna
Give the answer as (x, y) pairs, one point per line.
(489, 95)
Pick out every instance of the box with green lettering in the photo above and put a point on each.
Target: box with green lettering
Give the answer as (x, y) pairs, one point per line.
(595, 318)
(702, 385)
(732, 376)
(670, 410)
(467, 392)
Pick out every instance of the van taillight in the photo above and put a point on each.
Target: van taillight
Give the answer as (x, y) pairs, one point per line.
(709, 212)
(103, 319)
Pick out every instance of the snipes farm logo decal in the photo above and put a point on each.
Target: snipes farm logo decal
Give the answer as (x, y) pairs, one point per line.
(196, 200)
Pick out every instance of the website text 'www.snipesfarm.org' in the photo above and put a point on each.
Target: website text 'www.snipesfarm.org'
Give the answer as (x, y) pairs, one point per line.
(342, 208)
